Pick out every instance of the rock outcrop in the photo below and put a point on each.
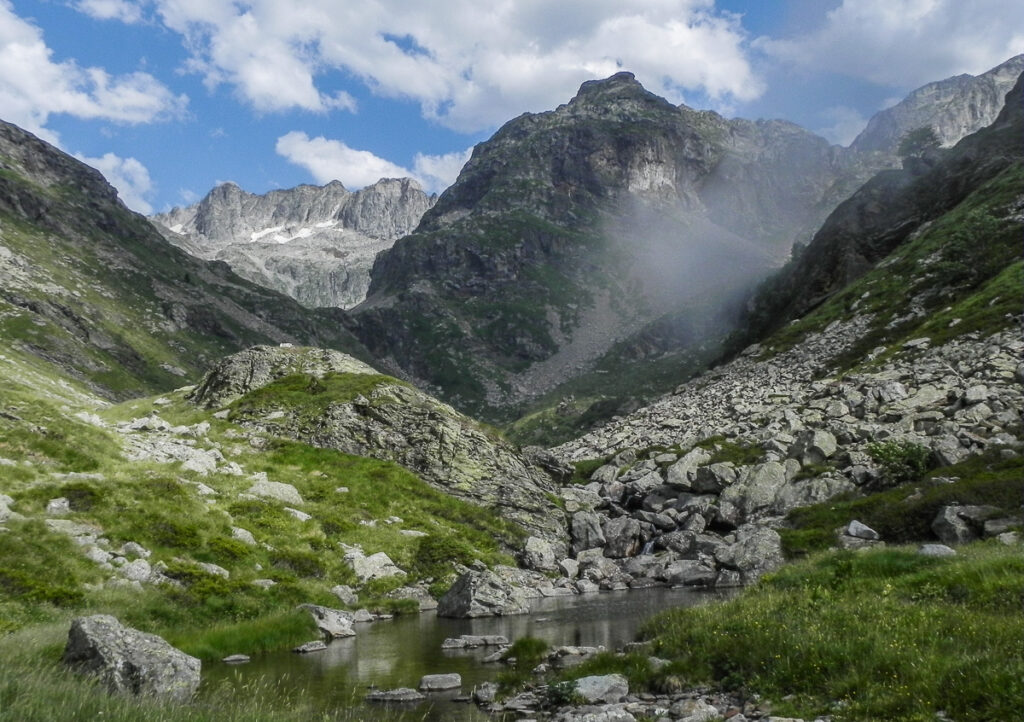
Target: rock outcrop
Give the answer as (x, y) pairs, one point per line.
(483, 593)
(315, 244)
(129, 661)
(344, 404)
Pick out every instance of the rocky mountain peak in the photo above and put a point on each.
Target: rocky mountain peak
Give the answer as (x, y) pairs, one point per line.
(39, 162)
(314, 243)
(953, 108)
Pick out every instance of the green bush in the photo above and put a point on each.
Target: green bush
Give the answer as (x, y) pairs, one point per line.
(298, 562)
(901, 461)
(435, 555)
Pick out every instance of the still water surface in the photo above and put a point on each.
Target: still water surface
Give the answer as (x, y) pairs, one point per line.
(397, 652)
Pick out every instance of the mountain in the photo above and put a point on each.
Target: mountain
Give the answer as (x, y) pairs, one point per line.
(93, 291)
(897, 205)
(315, 244)
(953, 108)
(569, 233)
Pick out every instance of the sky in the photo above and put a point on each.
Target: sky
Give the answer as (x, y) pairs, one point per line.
(170, 97)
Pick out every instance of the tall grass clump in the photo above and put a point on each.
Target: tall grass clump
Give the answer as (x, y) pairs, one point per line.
(887, 634)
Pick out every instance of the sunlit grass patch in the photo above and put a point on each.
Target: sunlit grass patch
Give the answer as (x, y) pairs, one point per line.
(886, 634)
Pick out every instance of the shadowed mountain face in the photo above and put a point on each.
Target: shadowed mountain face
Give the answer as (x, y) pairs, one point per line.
(92, 289)
(574, 230)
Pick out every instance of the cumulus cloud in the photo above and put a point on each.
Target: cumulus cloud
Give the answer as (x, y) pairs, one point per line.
(906, 43)
(280, 55)
(33, 86)
(128, 176)
(328, 160)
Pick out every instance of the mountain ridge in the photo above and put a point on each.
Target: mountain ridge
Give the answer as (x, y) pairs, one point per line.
(313, 243)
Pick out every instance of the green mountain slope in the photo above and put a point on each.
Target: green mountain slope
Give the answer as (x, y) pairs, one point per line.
(93, 290)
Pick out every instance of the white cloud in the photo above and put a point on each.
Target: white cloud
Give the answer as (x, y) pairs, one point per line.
(33, 86)
(123, 10)
(128, 176)
(329, 160)
(437, 172)
(846, 124)
(908, 43)
(468, 64)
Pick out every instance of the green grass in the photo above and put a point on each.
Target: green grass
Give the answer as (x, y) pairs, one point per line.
(905, 513)
(886, 634)
(36, 687)
(310, 395)
(964, 270)
(44, 577)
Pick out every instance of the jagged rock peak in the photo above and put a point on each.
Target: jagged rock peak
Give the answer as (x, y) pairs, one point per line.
(954, 108)
(314, 243)
(615, 93)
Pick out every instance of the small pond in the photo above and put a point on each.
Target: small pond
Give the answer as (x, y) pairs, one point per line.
(398, 652)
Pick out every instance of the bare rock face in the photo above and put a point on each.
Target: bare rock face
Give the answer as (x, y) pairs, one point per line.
(315, 244)
(953, 108)
(129, 661)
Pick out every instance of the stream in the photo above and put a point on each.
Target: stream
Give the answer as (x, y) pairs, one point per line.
(398, 652)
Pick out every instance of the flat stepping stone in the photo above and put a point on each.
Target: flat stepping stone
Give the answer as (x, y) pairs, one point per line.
(402, 694)
(236, 659)
(440, 682)
(314, 646)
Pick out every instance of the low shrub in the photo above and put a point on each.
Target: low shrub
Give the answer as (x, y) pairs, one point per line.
(901, 461)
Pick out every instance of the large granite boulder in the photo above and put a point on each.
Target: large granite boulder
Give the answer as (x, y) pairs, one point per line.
(757, 550)
(625, 537)
(332, 623)
(482, 593)
(585, 531)
(129, 661)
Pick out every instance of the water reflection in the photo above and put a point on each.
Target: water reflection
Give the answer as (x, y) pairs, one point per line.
(397, 652)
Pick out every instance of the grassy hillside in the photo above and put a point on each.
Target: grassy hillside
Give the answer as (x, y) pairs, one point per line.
(92, 289)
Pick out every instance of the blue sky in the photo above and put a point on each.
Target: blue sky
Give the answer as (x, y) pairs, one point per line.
(170, 97)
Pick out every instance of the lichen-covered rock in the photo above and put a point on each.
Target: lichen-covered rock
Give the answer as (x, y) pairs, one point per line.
(277, 491)
(606, 688)
(440, 682)
(482, 594)
(258, 366)
(129, 661)
(401, 694)
(756, 551)
(585, 531)
(625, 537)
(539, 555)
